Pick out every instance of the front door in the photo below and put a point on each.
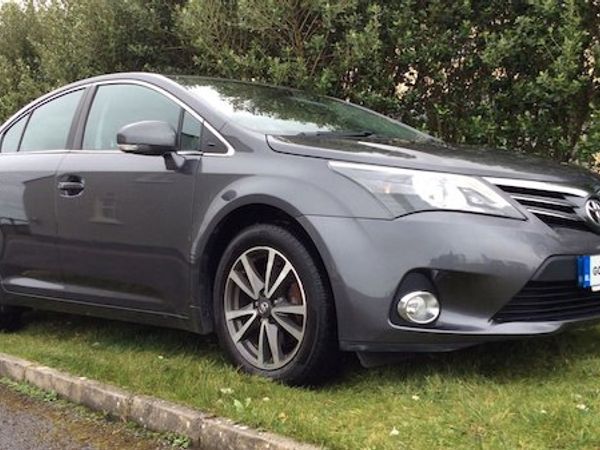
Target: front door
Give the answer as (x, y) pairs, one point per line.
(124, 220)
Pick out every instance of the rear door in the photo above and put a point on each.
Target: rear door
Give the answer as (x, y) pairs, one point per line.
(124, 224)
(30, 152)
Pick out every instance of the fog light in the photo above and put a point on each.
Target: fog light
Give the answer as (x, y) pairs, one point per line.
(419, 307)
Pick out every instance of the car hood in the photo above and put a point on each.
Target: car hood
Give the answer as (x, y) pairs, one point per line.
(435, 156)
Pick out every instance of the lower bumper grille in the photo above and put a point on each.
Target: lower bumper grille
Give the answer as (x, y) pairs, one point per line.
(545, 301)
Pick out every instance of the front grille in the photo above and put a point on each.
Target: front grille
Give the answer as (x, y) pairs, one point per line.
(555, 205)
(545, 301)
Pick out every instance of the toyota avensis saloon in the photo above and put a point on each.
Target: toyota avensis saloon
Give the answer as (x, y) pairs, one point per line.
(295, 226)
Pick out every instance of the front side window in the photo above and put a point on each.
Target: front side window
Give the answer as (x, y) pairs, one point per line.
(117, 105)
(49, 126)
(11, 139)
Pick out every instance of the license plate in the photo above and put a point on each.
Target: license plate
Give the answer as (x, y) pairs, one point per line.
(588, 269)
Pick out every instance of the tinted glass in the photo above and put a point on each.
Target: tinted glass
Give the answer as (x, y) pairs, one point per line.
(191, 130)
(49, 126)
(273, 110)
(10, 142)
(115, 106)
(211, 143)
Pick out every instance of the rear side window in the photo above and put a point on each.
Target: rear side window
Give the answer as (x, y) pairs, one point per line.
(118, 105)
(49, 126)
(11, 139)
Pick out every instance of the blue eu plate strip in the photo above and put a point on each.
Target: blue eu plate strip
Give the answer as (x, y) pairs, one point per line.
(583, 271)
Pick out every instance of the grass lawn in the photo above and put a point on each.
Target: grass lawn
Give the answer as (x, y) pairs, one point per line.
(542, 393)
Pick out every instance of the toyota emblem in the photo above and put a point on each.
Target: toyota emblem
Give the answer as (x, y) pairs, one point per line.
(592, 209)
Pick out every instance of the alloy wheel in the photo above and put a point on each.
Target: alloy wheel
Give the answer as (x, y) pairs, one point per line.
(265, 308)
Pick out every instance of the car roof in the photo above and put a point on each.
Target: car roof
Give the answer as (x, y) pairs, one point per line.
(163, 82)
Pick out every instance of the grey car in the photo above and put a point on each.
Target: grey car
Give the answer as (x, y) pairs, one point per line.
(295, 226)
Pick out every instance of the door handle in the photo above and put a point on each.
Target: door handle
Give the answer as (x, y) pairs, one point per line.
(71, 187)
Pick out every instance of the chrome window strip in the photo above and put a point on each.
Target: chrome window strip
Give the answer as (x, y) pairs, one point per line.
(35, 152)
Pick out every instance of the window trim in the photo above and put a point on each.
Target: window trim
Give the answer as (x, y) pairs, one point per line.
(180, 127)
(89, 100)
(27, 120)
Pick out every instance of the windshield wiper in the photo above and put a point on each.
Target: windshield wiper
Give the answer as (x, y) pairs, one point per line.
(339, 133)
(358, 134)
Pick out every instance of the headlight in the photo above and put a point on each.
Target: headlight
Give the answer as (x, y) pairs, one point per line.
(403, 191)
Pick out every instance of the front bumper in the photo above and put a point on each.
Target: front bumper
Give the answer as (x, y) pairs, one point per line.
(478, 264)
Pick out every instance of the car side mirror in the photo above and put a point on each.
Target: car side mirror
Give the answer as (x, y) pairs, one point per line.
(151, 137)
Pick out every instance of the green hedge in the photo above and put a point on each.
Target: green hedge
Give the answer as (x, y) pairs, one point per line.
(522, 75)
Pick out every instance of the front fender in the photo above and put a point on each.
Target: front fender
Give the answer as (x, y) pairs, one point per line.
(310, 188)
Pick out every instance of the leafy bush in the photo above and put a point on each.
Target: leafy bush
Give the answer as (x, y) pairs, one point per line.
(44, 45)
(517, 74)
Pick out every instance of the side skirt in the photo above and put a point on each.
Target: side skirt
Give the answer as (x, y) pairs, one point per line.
(100, 311)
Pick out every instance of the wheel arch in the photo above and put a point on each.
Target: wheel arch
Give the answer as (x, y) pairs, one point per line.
(232, 223)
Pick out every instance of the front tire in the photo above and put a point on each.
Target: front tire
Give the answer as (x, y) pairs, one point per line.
(274, 312)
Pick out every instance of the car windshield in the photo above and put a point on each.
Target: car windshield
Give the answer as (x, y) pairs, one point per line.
(285, 111)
